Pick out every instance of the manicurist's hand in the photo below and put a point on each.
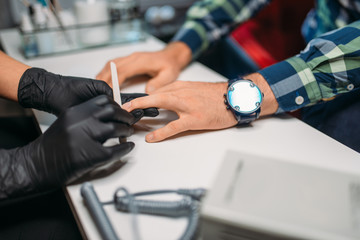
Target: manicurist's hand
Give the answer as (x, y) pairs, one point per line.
(199, 105)
(55, 93)
(71, 147)
(162, 66)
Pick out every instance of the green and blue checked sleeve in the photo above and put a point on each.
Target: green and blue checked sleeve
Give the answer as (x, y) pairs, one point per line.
(327, 67)
(210, 20)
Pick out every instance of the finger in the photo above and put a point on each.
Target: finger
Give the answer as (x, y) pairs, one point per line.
(138, 114)
(127, 97)
(105, 74)
(157, 100)
(162, 79)
(102, 87)
(120, 150)
(111, 112)
(101, 100)
(151, 112)
(103, 131)
(148, 112)
(104, 100)
(167, 131)
(129, 70)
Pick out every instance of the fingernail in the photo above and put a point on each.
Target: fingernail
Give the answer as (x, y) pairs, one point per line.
(149, 137)
(126, 106)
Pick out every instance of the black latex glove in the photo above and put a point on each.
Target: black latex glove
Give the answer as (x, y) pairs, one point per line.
(71, 147)
(139, 113)
(54, 93)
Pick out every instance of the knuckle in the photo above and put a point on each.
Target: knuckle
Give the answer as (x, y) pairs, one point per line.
(134, 103)
(174, 97)
(185, 125)
(177, 84)
(173, 127)
(111, 127)
(109, 109)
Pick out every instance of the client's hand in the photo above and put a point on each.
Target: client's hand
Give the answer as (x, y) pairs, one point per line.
(162, 66)
(199, 106)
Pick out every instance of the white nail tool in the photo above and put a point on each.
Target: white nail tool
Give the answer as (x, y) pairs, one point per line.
(116, 90)
(115, 83)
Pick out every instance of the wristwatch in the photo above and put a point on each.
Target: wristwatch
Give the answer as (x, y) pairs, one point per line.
(243, 97)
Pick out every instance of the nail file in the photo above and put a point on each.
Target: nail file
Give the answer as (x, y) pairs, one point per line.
(116, 93)
(115, 83)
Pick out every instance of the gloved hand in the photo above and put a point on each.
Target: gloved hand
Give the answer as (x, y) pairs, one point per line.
(54, 93)
(71, 147)
(139, 113)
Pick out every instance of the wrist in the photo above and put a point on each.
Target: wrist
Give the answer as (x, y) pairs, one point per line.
(31, 89)
(269, 105)
(10, 74)
(244, 99)
(180, 52)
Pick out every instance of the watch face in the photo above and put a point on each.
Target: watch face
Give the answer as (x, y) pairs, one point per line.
(244, 96)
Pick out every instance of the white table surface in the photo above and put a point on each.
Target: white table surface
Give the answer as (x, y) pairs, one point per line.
(187, 160)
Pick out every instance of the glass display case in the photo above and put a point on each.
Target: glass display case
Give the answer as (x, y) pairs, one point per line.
(89, 24)
(72, 38)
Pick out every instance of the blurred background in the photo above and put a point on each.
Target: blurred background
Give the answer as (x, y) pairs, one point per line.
(11, 11)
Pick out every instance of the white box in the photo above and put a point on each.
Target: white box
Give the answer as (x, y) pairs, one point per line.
(255, 197)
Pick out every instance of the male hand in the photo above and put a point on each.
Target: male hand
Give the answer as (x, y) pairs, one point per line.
(199, 106)
(71, 147)
(162, 66)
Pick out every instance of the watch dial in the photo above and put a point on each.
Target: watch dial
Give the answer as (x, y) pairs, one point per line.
(244, 96)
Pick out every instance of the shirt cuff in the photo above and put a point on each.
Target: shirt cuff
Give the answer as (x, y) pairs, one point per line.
(193, 35)
(292, 83)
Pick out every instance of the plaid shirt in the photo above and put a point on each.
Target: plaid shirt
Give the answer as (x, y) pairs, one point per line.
(328, 66)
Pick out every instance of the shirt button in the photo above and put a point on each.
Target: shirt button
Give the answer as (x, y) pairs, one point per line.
(299, 100)
(350, 87)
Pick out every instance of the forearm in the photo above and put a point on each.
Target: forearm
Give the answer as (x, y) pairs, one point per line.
(10, 74)
(269, 105)
(209, 21)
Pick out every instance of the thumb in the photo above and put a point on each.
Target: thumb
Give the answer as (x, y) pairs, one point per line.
(120, 150)
(165, 132)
